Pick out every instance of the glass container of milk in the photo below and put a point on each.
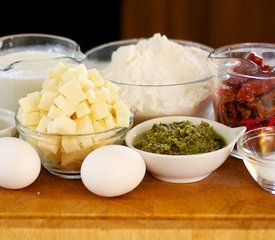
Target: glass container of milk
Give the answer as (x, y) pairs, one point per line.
(25, 60)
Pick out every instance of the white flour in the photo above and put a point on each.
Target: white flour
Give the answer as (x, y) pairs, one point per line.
(159, 61)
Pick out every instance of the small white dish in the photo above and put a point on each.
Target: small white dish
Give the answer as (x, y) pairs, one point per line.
(7, 123)
(185, 168)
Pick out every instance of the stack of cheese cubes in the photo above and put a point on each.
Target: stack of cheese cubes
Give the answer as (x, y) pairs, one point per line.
(73, 101)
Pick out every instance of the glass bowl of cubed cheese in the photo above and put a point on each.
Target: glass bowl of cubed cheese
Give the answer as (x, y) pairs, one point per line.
(76, 112)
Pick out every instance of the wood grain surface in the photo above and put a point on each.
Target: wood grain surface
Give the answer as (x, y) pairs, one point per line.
(226, 205)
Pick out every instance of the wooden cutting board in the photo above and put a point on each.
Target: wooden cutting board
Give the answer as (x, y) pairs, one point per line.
(227, 204)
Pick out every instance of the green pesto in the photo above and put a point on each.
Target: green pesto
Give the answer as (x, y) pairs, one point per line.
(180, 138)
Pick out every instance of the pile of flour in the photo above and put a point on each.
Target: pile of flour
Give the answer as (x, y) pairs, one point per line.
(159, 61)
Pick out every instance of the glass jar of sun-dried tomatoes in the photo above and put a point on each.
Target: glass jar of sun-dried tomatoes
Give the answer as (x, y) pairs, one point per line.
(243, 86)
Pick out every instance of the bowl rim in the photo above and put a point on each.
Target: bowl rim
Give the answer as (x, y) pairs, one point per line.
(156, 120)
(251, 157)
(125, 42)
(242, 45)
(8, 116)
(220, 53)
(20, 127)
(78, 56)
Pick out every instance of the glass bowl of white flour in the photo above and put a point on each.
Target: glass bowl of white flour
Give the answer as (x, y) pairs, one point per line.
(157, 76)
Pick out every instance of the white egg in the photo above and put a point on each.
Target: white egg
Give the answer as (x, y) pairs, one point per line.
(19, 163)
(112, 170)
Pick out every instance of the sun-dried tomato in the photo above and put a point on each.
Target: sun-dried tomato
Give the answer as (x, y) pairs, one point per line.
(258, 60)
(248, 100)
(249, 91)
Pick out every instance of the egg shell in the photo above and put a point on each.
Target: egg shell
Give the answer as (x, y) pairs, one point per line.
(112, 170)
(19, 163)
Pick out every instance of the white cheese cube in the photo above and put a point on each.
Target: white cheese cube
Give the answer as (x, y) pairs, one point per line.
(84, 125)
(69, 75)
(99, 126)
(30, 118)
(122, 118)
(62, 125)
(51, 127)
(100, 110)
(121, 105)
(47, 100)
(110, 121)
(82, 109)
(86, 141)
(91, 95)
(55, 112)
(58, 70)
(73, 93)
(102, 95)
(55, 158)
(85, 83)
(81, 70)
(64, 105)
(94, 75)
(70, 144)
(35, 98)
(43, 123)
(26, 105)
(48, 148)
(74, 159)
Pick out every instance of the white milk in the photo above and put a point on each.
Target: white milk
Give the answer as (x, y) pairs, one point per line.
(25, 77)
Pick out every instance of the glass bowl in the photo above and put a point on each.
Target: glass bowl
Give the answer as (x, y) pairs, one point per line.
(257, 149)
(25, 60)
(190, 96)
(184, 168)
(62, 155)
(242, 89)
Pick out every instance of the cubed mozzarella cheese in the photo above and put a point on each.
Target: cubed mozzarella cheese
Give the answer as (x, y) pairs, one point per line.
(43, 124)
(73, 93)
(62, 125)
(63, 104)
(84, 125)
(82, 109)
(55, 112)
(94, 75)
(70, 144)
(100, 110)
(47, 99)
(30, 118)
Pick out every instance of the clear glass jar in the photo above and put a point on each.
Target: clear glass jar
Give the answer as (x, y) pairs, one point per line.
(25, 60)
(243, 86)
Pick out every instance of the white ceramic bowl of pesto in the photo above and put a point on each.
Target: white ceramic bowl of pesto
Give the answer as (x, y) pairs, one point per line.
(184, 168)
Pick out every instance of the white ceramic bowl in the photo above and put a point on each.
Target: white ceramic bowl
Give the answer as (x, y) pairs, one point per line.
(185, 168)
(7, 123)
